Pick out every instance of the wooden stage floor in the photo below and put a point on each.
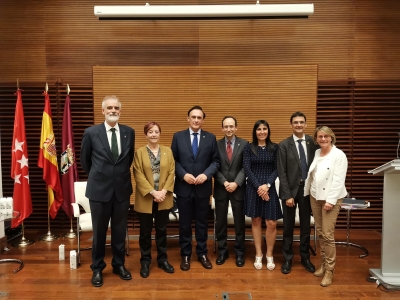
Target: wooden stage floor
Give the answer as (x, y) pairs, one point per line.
(45, 277)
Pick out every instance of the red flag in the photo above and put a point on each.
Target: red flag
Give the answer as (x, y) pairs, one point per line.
(19, 166)
(48, 160)
(69, 171)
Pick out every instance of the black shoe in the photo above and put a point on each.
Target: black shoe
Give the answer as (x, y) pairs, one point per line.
(97, 279)
(166, 267)
(239, 260)
(123, 273)
(221, 259)
(286, 267)
(205, 262)
(308, 265)
(185, 263)
(145, 270)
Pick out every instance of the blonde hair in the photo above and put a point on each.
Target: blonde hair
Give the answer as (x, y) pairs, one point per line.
(327, 130)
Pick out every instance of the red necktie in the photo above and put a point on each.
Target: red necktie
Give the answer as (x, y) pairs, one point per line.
(229, 150)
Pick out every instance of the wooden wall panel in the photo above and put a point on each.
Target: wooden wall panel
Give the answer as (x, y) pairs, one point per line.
(22, 44)
(377, 40)
(325, 38)
(56, 39)
(365, 117)
(165, 94)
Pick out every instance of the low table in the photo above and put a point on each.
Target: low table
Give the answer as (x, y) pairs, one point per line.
(11, 260)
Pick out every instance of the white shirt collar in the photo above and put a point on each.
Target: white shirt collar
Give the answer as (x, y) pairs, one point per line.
(296, 138)
(108, 127)
(191, 131)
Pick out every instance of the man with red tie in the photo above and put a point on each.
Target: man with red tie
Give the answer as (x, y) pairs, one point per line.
(229, 185)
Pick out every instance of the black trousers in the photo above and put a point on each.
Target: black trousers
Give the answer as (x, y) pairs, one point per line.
(160, 218)
(102, 212)
(289, 214)
(221, 212)
(191, 208)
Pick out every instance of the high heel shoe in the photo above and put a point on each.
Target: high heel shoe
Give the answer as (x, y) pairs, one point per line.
(258, 262)
(270, 263)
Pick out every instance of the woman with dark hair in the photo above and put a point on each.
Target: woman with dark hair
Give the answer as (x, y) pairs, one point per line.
(154, 171)
(261, 200)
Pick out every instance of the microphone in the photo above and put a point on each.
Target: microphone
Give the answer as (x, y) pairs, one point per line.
(398, 145)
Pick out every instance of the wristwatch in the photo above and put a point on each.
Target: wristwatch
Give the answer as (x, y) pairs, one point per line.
(268, 185)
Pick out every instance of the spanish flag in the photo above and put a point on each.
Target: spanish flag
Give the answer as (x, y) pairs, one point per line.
(48, 160)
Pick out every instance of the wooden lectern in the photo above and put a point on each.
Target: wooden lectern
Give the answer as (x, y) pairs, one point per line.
(390, 257)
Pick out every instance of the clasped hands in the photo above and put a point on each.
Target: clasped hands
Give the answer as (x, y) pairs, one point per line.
(189, 178)
(263, 192)
(159, 196)
(230, 187)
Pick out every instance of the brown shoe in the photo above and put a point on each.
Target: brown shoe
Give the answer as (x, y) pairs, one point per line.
(321, 271)
(185, 264)
(327, 280)
(205, 262)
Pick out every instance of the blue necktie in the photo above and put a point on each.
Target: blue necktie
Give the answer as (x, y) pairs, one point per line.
(303, 161)
(195, 143)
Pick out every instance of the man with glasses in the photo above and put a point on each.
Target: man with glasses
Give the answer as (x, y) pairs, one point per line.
(295, 156)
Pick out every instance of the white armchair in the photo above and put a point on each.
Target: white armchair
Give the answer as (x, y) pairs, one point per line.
(84, 220)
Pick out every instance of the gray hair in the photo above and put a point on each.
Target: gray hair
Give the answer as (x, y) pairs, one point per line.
(111, 97)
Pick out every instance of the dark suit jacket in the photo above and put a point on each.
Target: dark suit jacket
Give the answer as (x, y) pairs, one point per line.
(206, 162)
(289, 168)
(105, 175)
(230, 171)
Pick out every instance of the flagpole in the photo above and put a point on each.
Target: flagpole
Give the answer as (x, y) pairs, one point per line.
(19, 170)
(48, 237)
(71, 234)
(24, 242)
(68, 169)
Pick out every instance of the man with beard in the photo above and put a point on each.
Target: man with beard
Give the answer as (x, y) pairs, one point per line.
(106, 156)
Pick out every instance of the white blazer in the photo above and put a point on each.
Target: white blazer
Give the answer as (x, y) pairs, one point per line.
(330, 184)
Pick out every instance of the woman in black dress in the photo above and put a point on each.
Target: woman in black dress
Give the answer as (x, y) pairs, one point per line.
(261, 200)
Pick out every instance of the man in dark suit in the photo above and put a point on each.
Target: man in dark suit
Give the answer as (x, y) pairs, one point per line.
(106, 156)
(293, 165)
(196, 161)
(229, 185)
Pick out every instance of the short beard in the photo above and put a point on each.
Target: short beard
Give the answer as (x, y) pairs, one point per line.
(112, 118)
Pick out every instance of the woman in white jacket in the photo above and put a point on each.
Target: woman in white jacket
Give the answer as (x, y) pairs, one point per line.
(325, 184)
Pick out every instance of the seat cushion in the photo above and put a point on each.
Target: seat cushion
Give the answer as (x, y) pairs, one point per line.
(85, 222)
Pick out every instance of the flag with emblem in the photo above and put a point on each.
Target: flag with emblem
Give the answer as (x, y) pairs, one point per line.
(69, 171)
(48, 160)
(19, 166)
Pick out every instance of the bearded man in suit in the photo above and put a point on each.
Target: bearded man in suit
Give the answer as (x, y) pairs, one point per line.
(106, 156)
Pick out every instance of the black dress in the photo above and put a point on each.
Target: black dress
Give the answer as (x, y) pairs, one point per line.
(261, 169)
